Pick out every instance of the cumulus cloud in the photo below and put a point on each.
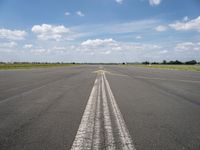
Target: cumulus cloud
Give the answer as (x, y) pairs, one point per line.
(99, 42)
(161, 28)
(108, 46)
(163, 52)
(79, 13)
(12, 34)
(39, 51)
(111, 44)
(154, 2)
(50, 50)
(119, 1)
(59, 48)
(28, 46)
(187, 24)
(98, 50)
(99, 46)
(47, 32)
(8, 45)
(187, 47)
(139, 46)
(106, 52)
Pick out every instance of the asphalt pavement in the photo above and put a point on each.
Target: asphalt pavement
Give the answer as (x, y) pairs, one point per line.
(43, 108)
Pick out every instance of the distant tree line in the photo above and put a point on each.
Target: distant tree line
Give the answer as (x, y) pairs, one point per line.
(85, 63)
(164, 62)
(36, 63)
(176, 62)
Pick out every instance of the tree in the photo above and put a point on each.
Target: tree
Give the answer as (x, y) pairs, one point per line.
(164, 62)
(145, 63)
(192, 62)
(177, 62)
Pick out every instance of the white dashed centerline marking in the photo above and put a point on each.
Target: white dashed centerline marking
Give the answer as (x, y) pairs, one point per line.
(102, 125)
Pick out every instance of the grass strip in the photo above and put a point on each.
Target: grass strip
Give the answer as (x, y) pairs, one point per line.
(173, 67)
(30, 66)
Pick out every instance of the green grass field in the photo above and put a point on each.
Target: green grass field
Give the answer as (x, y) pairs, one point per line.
(174, 67)
(29, 66)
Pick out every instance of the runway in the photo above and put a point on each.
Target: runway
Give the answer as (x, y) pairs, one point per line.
(99, 107)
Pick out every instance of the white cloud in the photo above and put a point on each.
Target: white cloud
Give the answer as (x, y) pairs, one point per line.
(28, 46)
(106, 52)
(99, 42)
(187, 25)
(67, 13)
(111, 44)
(161, 28)
(6, 50)
(119, 1)
(47, 32)
(133, 26)
(117, 28)
(107, 46)
(39, 51)
(154, 2)
(59, 48)
(117, 48)
(163, 51)
(50, 50)
(138, 37)
(187, 47)
(79, 13)
(8, 45)
(12, 34)
(99, 46)
(93, 50)
(139, 46)
(129, 27)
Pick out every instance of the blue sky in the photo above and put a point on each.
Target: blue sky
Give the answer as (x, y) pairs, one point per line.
(99, 30)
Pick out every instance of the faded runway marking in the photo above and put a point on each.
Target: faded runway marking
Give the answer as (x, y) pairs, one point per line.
(102, 125)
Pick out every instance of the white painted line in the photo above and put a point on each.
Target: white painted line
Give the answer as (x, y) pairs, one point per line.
(125, 138)
(102, 125)
(97, 125)
(84, 136)
(109, 139)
